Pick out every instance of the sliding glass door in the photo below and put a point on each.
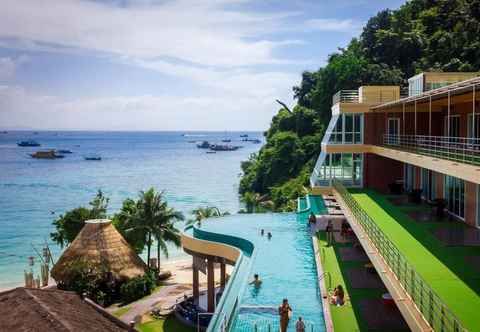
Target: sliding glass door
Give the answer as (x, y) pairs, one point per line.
(455, 196)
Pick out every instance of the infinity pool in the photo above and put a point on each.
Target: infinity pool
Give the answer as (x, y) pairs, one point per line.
(286, 265)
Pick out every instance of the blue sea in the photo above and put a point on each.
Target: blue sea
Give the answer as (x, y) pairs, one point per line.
(35, 192)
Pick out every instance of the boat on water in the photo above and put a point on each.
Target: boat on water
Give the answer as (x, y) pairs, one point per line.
(93, 157)
(223, 147)
(256, 141)
(64, 151)
(203, 145)
(244, 135)
(226, 140)
(49, 154)
(4, 132)
(28, 143)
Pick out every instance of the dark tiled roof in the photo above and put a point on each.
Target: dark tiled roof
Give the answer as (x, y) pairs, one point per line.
(32, 310)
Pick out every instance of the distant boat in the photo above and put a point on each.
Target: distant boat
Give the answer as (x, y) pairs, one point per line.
(244, 135)
(211, 152)
(256, 141)
(203, 145)
(35, 132)
(49, 154)
(64, 151)
(93, 157)
(4, 132)
(222, 147)
(226, 140)
(28, 143)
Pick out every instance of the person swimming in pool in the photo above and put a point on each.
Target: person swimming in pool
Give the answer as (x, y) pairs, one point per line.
(257, 282)
(262, 232)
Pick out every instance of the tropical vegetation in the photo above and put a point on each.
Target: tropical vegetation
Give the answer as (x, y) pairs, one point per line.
(422, 35)
(144, 222)
(204, 212)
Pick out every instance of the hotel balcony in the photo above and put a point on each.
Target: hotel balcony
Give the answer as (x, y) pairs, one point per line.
(360, 101)
(458, 149)
(454, 156)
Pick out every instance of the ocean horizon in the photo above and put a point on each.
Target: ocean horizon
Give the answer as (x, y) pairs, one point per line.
(35, 192)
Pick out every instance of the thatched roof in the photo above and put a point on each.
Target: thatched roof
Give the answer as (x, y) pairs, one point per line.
(100, 246)
(30, 309)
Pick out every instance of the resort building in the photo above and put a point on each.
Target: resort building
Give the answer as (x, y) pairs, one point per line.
(403, 165)
(392, 218)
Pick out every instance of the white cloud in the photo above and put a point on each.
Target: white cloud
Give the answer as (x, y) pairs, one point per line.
(328, 24)
(218, 111)
(202, 32)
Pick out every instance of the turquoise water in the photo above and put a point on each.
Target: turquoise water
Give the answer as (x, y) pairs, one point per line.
(286, 265)
(30, 190)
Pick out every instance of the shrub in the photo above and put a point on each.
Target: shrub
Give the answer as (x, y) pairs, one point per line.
(137, 288)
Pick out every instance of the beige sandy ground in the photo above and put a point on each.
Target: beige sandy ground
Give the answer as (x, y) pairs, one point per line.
(182, 272)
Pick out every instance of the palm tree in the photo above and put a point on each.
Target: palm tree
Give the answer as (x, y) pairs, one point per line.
(202, 213)
(165, 230)
(148, 214)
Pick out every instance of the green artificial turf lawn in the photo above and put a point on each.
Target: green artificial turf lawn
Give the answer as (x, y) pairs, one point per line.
(347, 317)
(443, 268)
(164, 325)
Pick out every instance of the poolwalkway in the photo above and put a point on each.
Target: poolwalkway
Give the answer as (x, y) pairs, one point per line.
(444, 268)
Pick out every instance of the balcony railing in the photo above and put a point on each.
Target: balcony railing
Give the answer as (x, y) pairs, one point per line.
(427, 302)
(345, 96)
(352, 96)
(460, 149)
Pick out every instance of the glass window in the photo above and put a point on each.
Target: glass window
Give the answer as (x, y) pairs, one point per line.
(455, 195)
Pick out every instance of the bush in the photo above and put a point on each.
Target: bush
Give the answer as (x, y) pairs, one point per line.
(137, 288)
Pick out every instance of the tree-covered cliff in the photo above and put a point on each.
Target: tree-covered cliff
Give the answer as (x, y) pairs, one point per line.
(422, 35)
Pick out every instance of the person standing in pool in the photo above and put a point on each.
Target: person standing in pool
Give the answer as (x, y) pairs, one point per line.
(269, 235)
(285, 312)
(257, 282)
(300, 325)
(262, 232)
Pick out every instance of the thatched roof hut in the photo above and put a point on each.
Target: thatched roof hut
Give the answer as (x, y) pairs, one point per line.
(30, 309)
(100, 247)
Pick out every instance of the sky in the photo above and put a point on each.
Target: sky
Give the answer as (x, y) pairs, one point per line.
(164, 65)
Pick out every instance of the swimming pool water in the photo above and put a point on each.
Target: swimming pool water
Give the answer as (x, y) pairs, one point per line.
(286, 265)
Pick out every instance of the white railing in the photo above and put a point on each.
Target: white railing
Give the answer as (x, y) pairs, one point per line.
(345, 96)
(461, 149)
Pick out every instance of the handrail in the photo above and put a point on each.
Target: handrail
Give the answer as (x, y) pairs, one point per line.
(268, 325)
(460, 149)
(307, 208)
(428, 303)
(345, 96)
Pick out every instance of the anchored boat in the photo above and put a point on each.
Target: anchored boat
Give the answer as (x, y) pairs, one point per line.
(49, 154)
(28, 143)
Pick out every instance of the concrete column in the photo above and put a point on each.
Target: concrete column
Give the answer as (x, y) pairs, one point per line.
(196, 288)
(223, 275)
(210, 286)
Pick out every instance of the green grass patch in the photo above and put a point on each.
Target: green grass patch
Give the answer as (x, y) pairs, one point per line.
(169, 324)
(121, 311)
(346, 317)
(443, 268)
